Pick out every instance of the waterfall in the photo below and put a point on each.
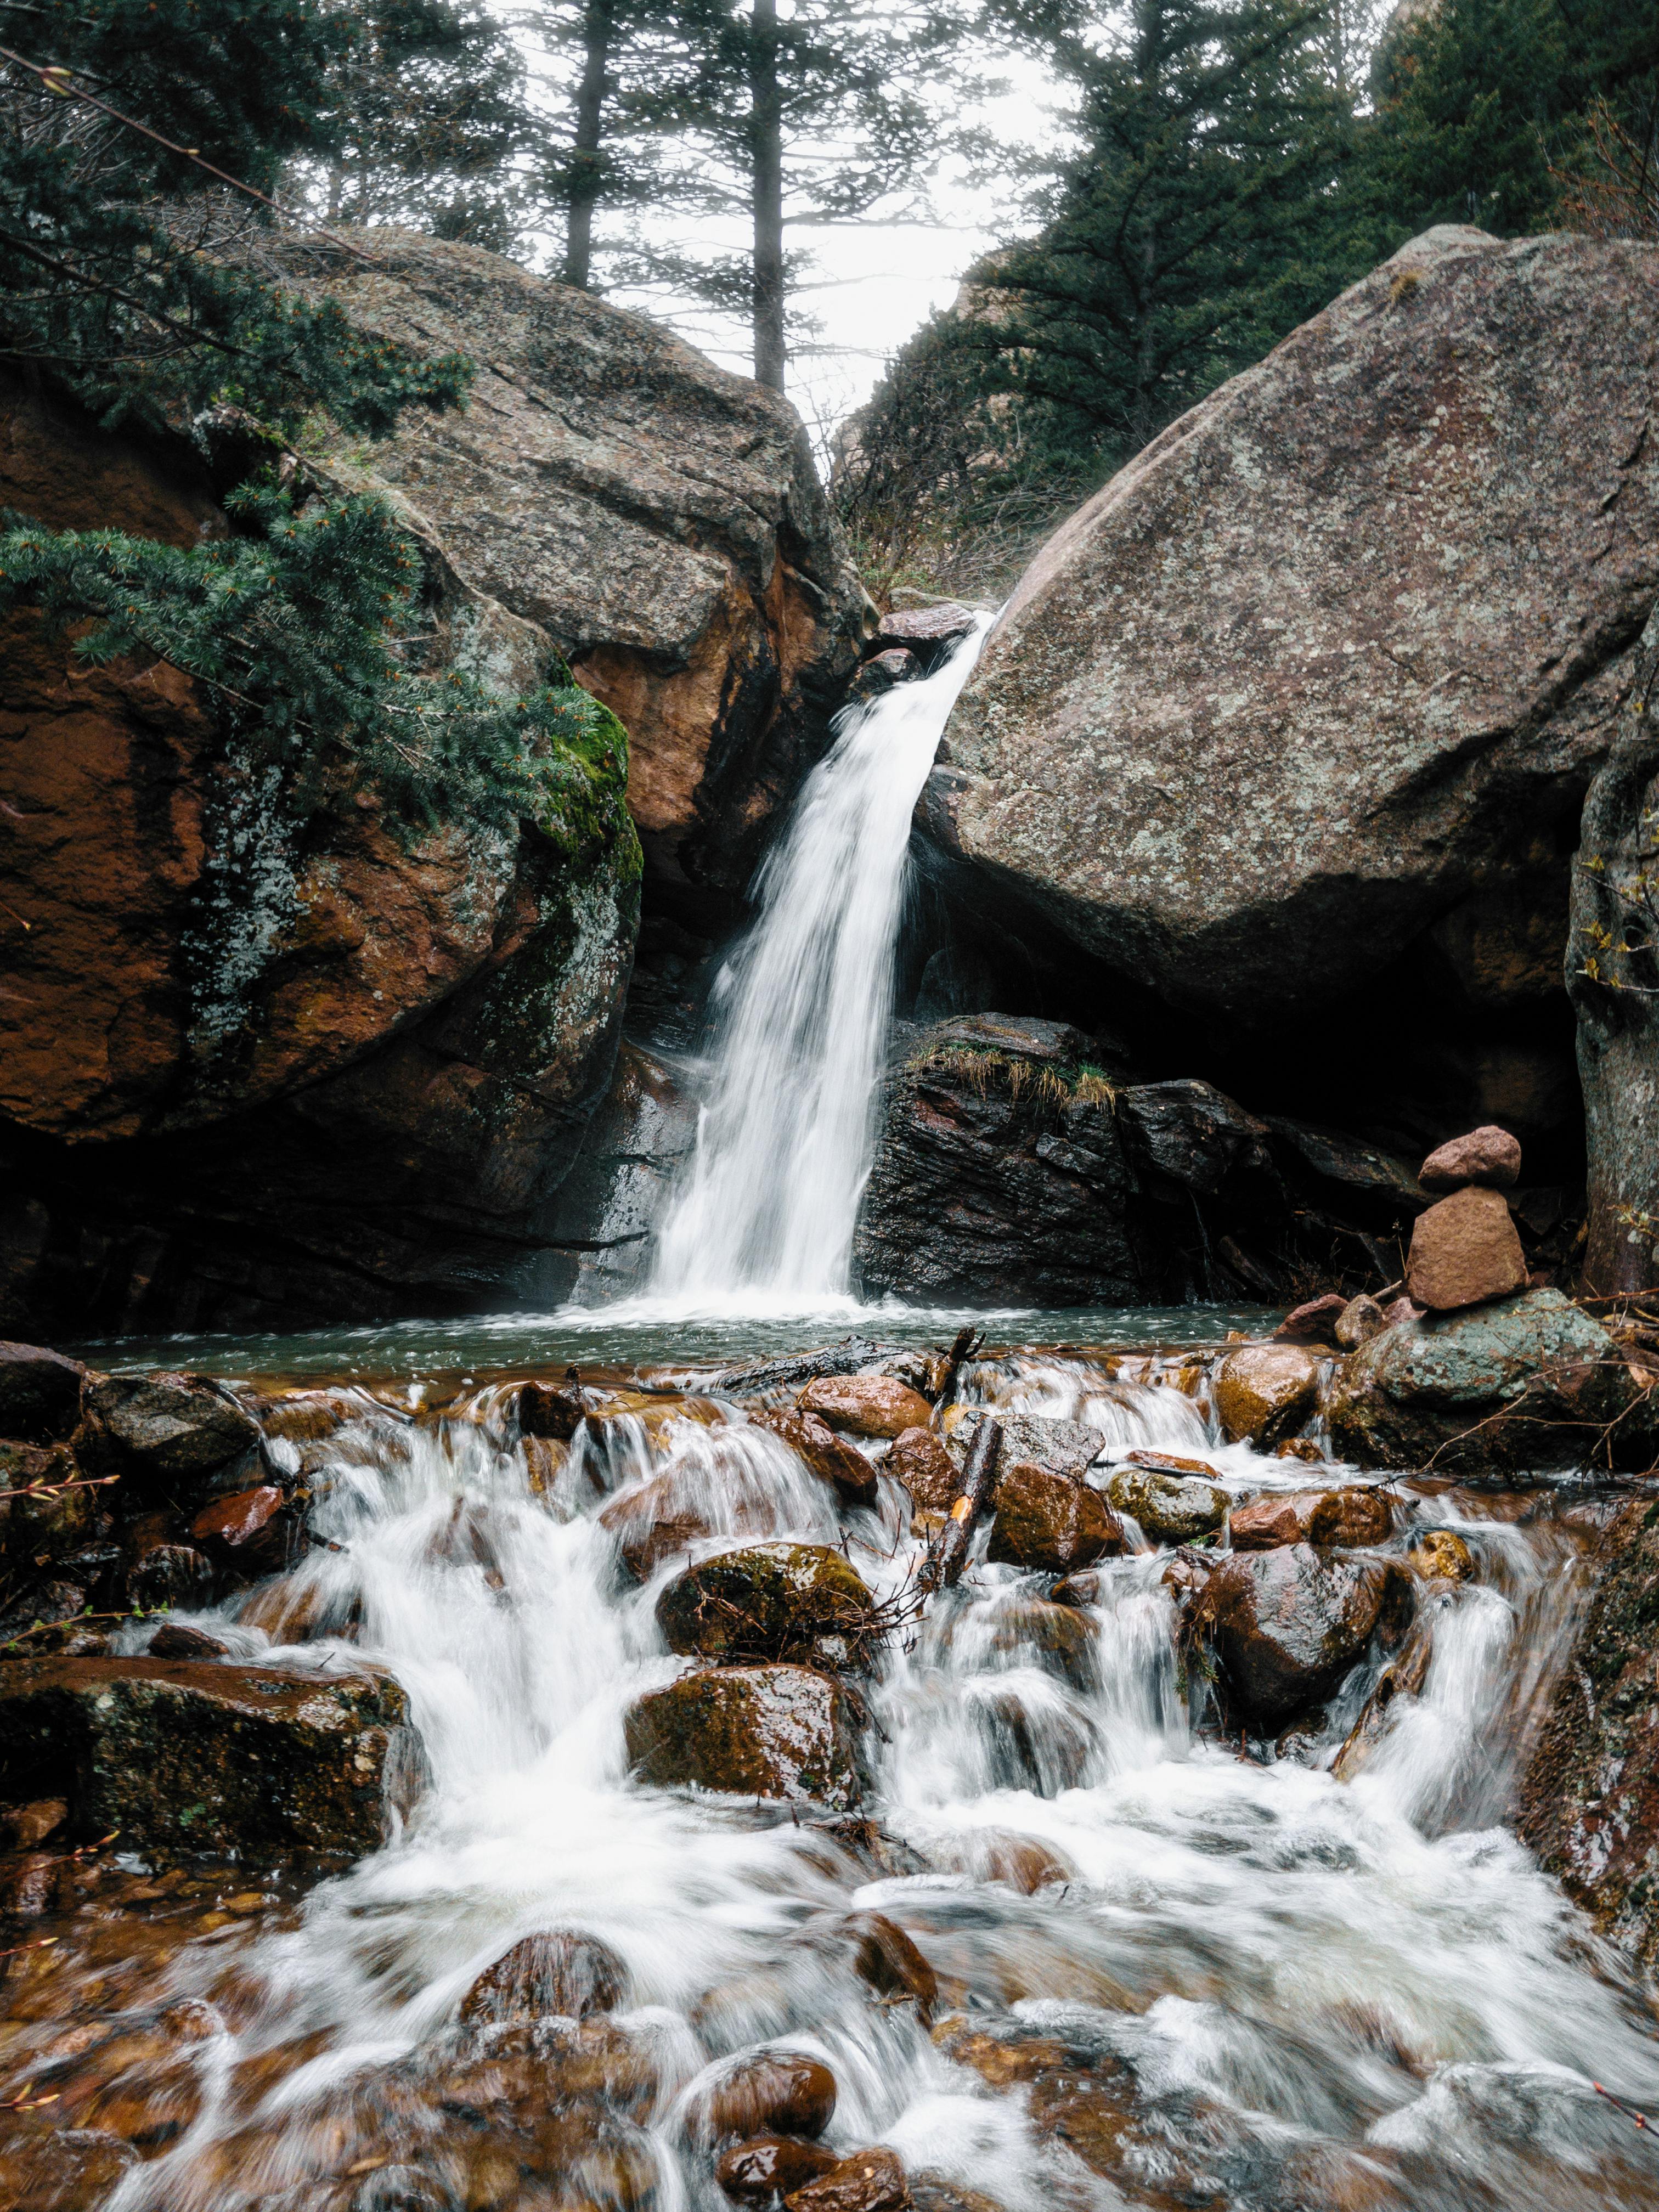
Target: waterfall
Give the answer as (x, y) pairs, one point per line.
(768, 1201)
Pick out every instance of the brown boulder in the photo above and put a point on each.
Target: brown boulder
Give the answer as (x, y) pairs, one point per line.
(868, 2181)
(250, 1531)
(779, 1732)
(1352, 1516)
(815, 1444)
(1043, 1520)
(923, 1464)
(1286, 1627)
(885, 1958)
(547, 1411)
(1359, 1320)
(543, 1976)
(1488, 1155)
(781, 1601)
(785, 2093)
(1442, 1553)
(1311, 1323)
(169, 1428)
(766, 2167)
(1264, 1391)
(653, 1524)
(865, 1405)
(182, 1756)
(177, 1639)
(1034, 1631)
(1464, 1251)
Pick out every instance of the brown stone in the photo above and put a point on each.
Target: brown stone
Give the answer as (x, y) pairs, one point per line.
(249, 1530)
(653, 1524)
(1263, 1391)
(1442, 1553)
(47, 2169)
(1464, 1251)
(1054, 1637)
(778, 1732)
(1311, 1323)
(815, 1444)
(768, 2167)
(1488, 1156)
(1046, 1520)
(546, 1411)
(559, 1973)
(865, 1405)
(23, 1826)
(1161, 1462)
(1351, 1515)
(868, 2181)
(168, 1428)
(1286, 1626)
(885, 1958)
(1360, 1320)
(39, 1392)
(778, 1600)
(176, 1639)
(923, 1464)
(1022, 1862)
(785, 2092)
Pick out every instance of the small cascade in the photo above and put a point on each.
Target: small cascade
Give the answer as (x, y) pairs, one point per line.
(766, 1208)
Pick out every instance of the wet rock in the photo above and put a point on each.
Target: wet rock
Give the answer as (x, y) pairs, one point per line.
(885, 1958)
(1312, 1323)
(781, 1601)
(1352, 1515)
(927, 630)
(177, 1639)
(767, 2167)
(921, 1461)
(865, 1405)
(1532, 1381)
(1068, 1448)
(1197, 1139)
(168, 1574)
(46, 2169)
(1046, 1520)
(1359, 1320)
(880, 673)
(1086, 1590)
(1286, 1626)
(868, 2181)
(1403, 1677)
(1302, 1448)
(1264, 1391)
(175, 1429)
(23, 1826)
(1441, 1553)
(999, 1176)
(547, 1411)
(767, 2092)
(653, 1524)
(1488, 1155)
(558, 1973)
(250, 1531)
(937, 2192)
(1590, 1794)
(40, 1393)
(1022, 1862)
(1464, 1251)
(182, 1756)
(401, 2188)
(58, 1519)
(816, 1445)
(778, 1732)
(1171, 1509)
(1055, 1638)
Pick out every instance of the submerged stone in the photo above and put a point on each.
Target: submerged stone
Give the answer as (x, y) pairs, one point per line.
(768, 1732)
(1352, 1516)
(815, 1444)
(559, 1973)
(768, 2167)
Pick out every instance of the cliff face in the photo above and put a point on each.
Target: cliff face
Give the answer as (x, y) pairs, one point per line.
(259, 1072)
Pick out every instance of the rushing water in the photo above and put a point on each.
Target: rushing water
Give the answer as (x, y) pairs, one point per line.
(771, 1191)
(1268, 1990)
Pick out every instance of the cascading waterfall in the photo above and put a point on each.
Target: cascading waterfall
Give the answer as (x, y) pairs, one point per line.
(768, 1201)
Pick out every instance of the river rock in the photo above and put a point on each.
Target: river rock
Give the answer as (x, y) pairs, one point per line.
(782, 1600)
(769, 2166)
(885, 1957)
(920, 1461)
(549, 1411)
(58, 1519)
(1464, 1251)
(1359, 1320)
(1286, 1627)
(40, 1393)
(865, 1405)
(1264, 1391)
(998, 1175)
(1264, 827)
(881, 673)
(1441, 1553)
(1047, 1520)
(653, 1524)
(1060, 1638)
(47, 2169)
(778, 1732)
(1489, 1156)
(172, 1428)
(786, 2093)
(251, 1532)
(1590, 1794)
(1067, 1448)
(928, 631)
(1531, 1382)
(194, 1756)
(1199, 1139)
(558, 1974)
(815, 1444)
(1171, 1509)
(1352, 1516)
(1314, 1321)
(868, 2181)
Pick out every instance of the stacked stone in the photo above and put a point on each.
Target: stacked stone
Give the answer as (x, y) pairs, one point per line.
(1465, 1250)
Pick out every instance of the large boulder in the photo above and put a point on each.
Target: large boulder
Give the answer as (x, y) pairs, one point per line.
(1286, 1626)
(1529, 1382)
(800, 1601)
(1589, 1796)
(187, 1756)
(779, 1732)
(1319, 674)
(1046, 1520)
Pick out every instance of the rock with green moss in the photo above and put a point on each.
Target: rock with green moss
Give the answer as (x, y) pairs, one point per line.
(797, 1601)
(784, 1732)
(1171, 1509)
(1526, 1382)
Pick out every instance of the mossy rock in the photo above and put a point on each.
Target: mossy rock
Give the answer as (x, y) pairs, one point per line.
(781, 1601)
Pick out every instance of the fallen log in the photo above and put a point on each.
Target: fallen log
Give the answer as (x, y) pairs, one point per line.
(942, 1569)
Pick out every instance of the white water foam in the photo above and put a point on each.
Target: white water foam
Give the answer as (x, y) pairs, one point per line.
(768, 1202)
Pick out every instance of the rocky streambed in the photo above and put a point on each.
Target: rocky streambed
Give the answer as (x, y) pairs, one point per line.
(537, 1785)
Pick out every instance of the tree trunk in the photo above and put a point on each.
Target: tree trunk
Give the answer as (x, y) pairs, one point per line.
(585, 166)
(1612, 980)
(766, 158)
